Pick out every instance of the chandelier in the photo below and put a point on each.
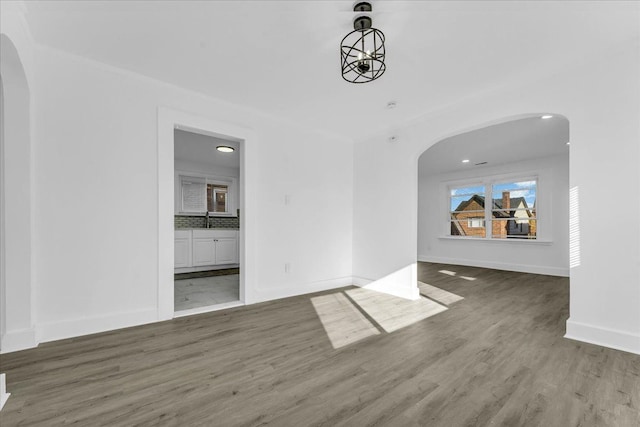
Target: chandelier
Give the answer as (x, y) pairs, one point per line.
(362, 50)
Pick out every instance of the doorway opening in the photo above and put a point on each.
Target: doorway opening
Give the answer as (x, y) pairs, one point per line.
(207, 222)
(170, 120)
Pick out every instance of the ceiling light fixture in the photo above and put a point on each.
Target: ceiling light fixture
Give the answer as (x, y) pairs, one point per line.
(546, 116)
(362, 50)
(465, 161)
(225, 149)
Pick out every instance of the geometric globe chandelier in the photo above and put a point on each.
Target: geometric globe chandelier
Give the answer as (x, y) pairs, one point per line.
(362, 50)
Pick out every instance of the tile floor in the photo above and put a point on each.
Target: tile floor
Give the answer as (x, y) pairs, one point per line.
(206, 291)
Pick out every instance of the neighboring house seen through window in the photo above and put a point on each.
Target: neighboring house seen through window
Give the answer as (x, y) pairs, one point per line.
(511, 214)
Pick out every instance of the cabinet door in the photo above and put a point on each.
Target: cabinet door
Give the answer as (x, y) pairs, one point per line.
(226, 250)
(204, 251)
(181, 252)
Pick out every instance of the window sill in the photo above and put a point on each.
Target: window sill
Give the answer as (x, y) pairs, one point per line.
(509, 241)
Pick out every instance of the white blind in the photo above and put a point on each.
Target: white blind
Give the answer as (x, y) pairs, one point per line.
(194, 194)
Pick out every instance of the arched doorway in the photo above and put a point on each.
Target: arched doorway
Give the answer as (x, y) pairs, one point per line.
(17, 330)
(520, 167)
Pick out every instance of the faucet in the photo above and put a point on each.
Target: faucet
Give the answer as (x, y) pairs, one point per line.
(206, 219)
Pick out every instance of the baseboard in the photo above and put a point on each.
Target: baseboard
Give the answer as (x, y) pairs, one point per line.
(52, 331)
(22, 339)
(387, 288)
(521, 268)
(3, 391)
(616, 339)
(303, 289)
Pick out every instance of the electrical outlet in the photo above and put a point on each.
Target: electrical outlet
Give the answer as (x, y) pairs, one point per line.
(287, 267)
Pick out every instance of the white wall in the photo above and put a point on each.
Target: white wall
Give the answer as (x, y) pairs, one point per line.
(601, 100)
(548, 255)
(95, 173)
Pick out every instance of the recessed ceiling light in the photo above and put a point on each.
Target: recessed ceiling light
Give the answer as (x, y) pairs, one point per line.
(568, 143)
(225, 149)
(546, 116)
(465, 161)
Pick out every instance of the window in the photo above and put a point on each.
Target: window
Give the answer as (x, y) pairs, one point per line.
(475, 222)
(514, 210)
(466, 211)
(198, 195)
(510, 215)
(217, 198)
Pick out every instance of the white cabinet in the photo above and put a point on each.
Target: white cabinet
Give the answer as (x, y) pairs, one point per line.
(182, 248)
(226, 250)
(198, 248)
(204, 251)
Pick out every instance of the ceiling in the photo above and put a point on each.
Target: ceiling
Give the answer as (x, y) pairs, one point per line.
(512, 141)
(197, 148)
(282, 57)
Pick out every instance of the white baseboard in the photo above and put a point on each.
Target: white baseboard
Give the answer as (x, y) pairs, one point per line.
(521, 268)
(204, 268)
(387, 288)
(52, 331)
(3, 391)
(302, 289)
(18, 340)
(616, 339)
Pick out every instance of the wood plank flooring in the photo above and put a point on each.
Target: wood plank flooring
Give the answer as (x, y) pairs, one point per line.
(497, 357)
(392, 313)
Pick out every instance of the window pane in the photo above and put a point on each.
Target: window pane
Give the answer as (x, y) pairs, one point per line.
(464, 191)
(515, 195)
(471, 227)
(216, 198)
(513, 229)
(467, 203)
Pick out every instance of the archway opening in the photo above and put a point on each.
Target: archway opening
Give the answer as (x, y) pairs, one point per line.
(498, 197)
(17, 331)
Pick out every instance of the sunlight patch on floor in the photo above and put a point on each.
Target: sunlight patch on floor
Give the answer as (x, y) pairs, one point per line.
(356, 314)
(447, 272)
(391, 312)
(342, 321)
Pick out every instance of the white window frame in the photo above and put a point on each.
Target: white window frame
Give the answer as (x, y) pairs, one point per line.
(488, 183)
(232, 190)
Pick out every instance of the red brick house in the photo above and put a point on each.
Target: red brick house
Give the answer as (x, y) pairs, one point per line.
(512, 218)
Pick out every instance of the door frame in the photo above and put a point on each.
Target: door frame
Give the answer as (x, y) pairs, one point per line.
(168, 120)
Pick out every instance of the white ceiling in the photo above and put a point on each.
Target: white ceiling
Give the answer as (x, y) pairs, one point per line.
(503, 143)
(282, 57)
(201, 149)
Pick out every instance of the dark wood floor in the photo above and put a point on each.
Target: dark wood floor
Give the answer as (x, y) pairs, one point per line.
(495, 358)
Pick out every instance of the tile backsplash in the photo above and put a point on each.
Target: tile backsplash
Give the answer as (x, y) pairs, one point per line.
(185, 221)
